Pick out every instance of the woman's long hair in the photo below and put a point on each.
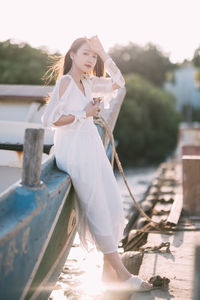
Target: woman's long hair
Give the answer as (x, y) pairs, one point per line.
(62, 64)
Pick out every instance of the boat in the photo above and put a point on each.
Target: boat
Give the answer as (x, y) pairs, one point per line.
(21, 107)
(38, 222)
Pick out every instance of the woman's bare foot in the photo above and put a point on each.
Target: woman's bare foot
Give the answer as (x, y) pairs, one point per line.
(113, 262)
(146, 284)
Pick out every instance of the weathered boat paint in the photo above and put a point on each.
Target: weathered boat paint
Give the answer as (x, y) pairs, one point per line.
(35, 223)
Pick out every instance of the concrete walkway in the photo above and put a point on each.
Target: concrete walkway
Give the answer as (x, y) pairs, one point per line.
(178, 265)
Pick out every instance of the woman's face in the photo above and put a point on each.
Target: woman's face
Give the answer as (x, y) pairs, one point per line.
(85, 58)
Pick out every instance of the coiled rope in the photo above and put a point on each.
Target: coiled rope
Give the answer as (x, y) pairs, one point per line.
(98, 119)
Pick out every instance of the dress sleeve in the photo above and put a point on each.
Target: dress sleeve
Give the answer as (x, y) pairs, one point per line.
(103, 86)
(58, 106)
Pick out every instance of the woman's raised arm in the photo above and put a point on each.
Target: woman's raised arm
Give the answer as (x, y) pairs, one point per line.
(105, 86)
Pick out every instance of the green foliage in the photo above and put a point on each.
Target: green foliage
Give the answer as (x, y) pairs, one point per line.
(147, 61)
(196, 57)
(22, 64)
(147, 125)
(197, 78)
(191, 113)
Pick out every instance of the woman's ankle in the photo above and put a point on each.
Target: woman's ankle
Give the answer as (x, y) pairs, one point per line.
(115, 261)
(108, 273)
(123, 274)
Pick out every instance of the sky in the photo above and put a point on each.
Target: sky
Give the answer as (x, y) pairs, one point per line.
(172, 25)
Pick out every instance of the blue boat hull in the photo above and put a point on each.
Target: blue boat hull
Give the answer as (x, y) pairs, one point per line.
(37, 230)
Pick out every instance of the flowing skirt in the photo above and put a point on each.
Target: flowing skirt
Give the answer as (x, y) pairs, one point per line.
(80, 153)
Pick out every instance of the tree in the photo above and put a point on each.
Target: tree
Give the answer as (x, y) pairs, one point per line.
(147, 126)
(147, 61)
(22, 64)
(196, 57)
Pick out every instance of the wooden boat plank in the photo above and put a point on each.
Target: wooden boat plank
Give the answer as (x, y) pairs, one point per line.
(24, 91)
(165, 189)
(175, 210)
(165, 207)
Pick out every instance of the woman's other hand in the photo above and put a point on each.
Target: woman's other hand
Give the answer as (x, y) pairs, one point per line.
(92, 109)
(95, 44)
(97, 47)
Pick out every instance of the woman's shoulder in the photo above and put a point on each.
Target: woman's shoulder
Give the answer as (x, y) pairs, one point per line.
(65, 84)
(66, 77)
(65, 80)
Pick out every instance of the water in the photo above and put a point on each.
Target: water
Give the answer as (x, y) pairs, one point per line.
(81, 275)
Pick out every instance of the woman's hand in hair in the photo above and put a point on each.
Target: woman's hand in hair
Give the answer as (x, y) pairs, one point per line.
(92, 109)
(95, 44)
(97, 47)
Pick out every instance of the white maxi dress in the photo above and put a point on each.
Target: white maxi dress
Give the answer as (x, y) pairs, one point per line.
(79, 151)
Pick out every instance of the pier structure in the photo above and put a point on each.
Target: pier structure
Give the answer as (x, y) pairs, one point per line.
(169, 254)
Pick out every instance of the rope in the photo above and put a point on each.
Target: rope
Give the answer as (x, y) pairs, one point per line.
(100, 120)
(156, 248)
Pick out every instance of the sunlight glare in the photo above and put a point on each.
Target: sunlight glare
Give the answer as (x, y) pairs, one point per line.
(170, 24)
(91, 280)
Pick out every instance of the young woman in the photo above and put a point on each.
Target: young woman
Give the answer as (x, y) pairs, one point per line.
(79, 150)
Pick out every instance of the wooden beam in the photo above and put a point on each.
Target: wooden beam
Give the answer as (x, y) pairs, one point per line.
(32, 156)
(19, 147)
(191, 184)
(175, 210)
(110, 115)
(23, 98)
(197, 271)
(191, 150)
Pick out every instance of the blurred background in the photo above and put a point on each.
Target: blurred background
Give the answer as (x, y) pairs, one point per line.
(155, 44)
